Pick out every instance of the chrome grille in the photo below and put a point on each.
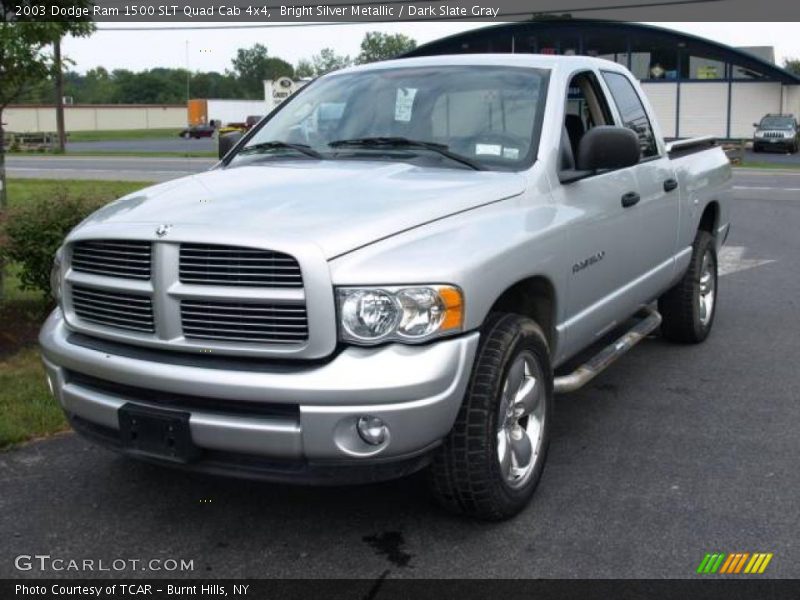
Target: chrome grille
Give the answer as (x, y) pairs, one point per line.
(232, 265)
(250, 322)
(113, 258)
(113, 309)
(773, 134)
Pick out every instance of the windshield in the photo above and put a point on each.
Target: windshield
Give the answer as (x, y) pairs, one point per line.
(486, 116)
(776, 123)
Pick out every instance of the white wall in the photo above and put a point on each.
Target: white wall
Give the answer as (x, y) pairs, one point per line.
(32, 119)
(704, 109)
(704, 106)
(791, 100)
(663, 98)
(750, 102)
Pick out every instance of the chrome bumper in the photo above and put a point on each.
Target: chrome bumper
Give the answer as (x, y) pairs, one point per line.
(415, 390)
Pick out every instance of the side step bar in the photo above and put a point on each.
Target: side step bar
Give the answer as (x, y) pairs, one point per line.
(603, 359)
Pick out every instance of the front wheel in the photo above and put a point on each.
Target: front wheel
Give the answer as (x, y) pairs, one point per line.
(492, 460)
(688, 309)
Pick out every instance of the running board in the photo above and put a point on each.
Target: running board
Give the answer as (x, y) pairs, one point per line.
(606, 357)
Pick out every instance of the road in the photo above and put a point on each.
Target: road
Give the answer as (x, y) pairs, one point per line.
(127, 168)
(673, 452)
(175, 144)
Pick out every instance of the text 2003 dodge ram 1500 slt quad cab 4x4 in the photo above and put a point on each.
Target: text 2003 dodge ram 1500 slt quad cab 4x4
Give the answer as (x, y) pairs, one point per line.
(384, 274)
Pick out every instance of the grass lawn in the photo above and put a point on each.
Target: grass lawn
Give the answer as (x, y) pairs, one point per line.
(769, 165)
(27, 407)
(122, 134)
(27, 410)
(25, 191)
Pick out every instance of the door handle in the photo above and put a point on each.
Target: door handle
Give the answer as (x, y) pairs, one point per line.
(670, 184)
(630, 199)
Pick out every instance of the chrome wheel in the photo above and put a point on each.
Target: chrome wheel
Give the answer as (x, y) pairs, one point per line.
(520, 424)
(707, 289)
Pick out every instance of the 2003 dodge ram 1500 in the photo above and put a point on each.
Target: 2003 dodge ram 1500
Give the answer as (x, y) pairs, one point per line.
(394, 270)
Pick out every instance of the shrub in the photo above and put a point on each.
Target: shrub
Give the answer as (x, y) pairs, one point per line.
(32, 234)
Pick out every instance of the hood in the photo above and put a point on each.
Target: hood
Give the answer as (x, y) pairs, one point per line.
(337, 205)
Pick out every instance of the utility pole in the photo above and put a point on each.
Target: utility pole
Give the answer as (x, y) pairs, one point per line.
(188, 80)
(59, 75)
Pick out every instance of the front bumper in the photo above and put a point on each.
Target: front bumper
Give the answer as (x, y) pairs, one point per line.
(781, 144)
(292, 415)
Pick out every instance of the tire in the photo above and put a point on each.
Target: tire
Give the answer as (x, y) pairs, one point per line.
(467, 475)
(688, 309)
(756, 149)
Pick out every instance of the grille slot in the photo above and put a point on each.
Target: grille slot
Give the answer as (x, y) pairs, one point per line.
(113, 258)
(133, 312)
(237, 322)
(232, 265)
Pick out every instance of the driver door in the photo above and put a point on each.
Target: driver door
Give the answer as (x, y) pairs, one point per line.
(601, 240)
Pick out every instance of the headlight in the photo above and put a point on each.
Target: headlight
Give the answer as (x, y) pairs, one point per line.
(410, 314)
(55, 277)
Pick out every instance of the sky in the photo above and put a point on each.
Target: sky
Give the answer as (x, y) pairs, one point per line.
(213, 50)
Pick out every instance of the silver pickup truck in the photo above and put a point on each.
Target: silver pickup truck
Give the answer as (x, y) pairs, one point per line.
(397, 269)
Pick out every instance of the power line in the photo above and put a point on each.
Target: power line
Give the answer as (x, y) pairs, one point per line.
(426, 19)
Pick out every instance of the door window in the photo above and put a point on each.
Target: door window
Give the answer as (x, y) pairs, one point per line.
(632, 111)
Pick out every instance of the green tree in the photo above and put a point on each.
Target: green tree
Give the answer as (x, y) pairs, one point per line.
(303, 69)
(29, 52)
(95, 87)
(253, 65)
(792, 65)
(327, 60)
(215, 85)
(382, 46)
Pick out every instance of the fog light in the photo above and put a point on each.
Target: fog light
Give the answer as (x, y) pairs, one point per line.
(372, 430)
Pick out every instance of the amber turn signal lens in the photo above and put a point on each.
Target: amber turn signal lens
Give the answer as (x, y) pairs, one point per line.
(454, 308)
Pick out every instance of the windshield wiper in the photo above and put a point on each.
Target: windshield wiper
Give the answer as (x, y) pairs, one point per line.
(401, 142)
(277, 144)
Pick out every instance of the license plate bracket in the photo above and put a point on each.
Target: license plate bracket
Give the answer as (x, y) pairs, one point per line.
(157, 433)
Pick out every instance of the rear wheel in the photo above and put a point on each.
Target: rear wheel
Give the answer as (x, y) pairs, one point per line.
(490, 464)
(688, 309)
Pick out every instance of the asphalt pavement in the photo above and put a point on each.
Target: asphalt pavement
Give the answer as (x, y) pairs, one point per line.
(673, 452)
(175, 144)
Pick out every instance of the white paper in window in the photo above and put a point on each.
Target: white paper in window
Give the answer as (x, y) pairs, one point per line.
(404, 104)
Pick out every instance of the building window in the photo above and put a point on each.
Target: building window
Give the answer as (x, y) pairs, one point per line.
(632, 111)
(702, 67)
(654, 58)
(739, 72)
(613, 48)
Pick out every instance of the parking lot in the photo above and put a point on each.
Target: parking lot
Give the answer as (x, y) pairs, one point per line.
(673, 452)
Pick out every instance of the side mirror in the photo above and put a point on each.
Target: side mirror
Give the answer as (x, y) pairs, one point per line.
(755, 125)
(227, 141)
(608, 148)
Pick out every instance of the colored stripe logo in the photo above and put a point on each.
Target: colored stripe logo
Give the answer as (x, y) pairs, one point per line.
(732, 564)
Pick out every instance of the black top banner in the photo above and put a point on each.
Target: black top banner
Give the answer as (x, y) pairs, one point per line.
(338, 11)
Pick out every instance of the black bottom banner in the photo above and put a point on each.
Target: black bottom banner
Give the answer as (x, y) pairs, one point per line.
(385, 588)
